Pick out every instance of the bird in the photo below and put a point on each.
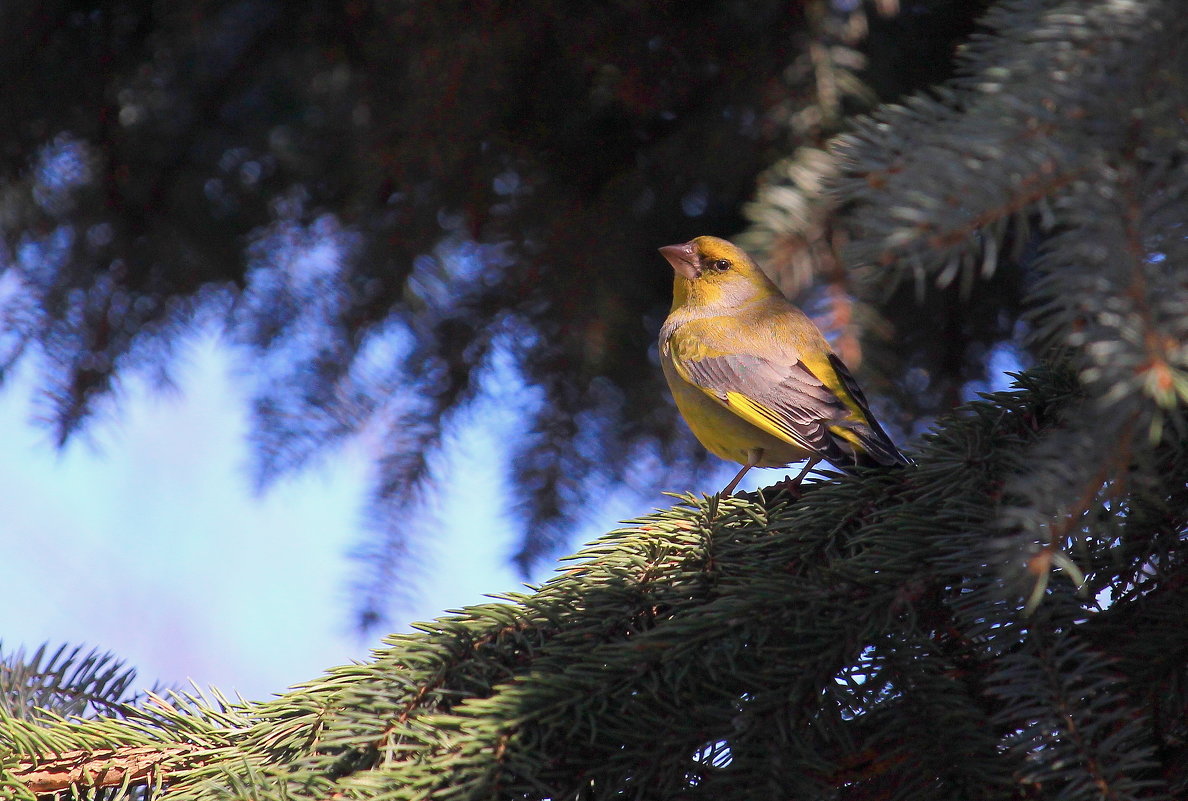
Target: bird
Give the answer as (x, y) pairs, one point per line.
(752, 375)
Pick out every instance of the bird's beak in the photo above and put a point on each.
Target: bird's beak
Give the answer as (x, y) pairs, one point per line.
(683, 259)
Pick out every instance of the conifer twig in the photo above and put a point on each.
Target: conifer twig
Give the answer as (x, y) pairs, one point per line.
(109, 767)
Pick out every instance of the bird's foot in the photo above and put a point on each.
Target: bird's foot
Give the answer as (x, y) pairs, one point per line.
(789, 485)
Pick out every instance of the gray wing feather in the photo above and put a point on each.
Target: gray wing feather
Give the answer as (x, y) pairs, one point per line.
(804, 406)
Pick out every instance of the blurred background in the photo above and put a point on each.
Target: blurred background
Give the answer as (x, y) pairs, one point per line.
(317, 318)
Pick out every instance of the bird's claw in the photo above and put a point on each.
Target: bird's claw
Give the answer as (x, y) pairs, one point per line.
(788, 485)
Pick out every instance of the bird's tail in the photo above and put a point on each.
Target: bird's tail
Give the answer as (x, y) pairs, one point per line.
(871, 447)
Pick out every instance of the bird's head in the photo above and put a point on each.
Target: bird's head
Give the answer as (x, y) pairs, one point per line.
(712, 271)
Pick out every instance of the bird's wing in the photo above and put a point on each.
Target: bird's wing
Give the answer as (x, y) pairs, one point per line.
(786, 400)
(818, 408)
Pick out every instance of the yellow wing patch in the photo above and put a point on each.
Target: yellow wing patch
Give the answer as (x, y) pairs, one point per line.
(760, 416)
(847, 434)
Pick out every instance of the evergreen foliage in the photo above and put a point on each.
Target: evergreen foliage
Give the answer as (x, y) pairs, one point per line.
(64, 682)
(868, 640)
(70, 682)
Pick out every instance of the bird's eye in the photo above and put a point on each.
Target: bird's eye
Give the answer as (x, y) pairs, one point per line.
(722, 265)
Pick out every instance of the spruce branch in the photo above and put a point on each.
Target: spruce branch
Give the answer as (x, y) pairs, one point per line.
(128, 766)
(1079, 719)
(846, 641)
(936, 184)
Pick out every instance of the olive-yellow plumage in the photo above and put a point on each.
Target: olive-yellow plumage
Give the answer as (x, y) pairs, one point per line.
(752, 375)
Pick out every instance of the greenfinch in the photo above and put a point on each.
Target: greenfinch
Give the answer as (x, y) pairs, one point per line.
(752, 375)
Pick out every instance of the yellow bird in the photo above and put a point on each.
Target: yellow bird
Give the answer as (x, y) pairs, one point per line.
(753, 376)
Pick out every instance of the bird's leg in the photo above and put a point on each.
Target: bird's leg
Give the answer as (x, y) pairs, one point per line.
(753, 457)
(808, 465)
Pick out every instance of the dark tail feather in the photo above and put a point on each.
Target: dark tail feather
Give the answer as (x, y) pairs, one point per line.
(877, 450)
